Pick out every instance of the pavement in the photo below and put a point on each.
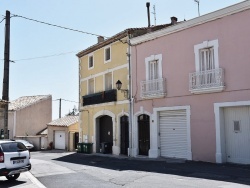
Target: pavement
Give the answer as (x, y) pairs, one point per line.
(220, 172)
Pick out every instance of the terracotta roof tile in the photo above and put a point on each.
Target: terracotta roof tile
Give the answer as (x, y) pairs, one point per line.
(26, 101)
(64, 121)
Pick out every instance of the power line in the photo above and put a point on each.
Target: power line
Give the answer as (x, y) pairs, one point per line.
(62, 27)
(66, 100)
(47, 56)
(2, 20)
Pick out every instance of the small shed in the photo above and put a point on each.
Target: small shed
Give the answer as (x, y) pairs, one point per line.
(63, 133)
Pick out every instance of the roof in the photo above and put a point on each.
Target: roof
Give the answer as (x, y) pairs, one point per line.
(231, 10)
(131, 32)
(43, 132)
(64, 121)
(26, 101)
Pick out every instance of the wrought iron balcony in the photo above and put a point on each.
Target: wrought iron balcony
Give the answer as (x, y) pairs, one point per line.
(101, 97)
(207, 81)
(153, 88)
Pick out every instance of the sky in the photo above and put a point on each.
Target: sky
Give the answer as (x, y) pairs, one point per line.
(44, 56)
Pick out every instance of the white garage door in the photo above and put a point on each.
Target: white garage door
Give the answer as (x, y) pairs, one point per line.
(173, 134)
(237, 133)
(59, 140)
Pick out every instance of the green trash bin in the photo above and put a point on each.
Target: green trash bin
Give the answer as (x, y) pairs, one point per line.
(87, 148)
(79, 147)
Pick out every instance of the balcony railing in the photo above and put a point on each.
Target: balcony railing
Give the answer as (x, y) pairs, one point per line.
(207, 81)
(101, 97)
(153, 88)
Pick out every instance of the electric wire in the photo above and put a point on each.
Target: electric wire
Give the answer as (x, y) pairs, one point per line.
(47, 56)
(62, 27)
(2, 20)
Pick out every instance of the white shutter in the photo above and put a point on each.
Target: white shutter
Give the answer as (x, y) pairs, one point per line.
(91, 86)
(108, 81)
(173, 134)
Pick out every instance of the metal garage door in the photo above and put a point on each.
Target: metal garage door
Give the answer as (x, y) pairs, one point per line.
(59, 140)
(173, 134)
(237, 133)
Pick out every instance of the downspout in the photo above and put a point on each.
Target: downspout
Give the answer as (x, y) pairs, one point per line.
(79, 98)
(130, 96)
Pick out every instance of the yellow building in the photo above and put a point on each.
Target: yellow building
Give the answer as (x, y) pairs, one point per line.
(104, 110)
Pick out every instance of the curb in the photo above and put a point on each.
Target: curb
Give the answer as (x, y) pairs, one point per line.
(34, 180)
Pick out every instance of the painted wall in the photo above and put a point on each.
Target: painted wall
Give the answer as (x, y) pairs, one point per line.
(32, 119)
(119, 68)
(178, 61)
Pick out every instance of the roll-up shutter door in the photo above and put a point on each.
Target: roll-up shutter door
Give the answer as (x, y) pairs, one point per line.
(173, 133)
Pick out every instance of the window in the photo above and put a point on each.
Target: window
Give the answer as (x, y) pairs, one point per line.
(207, 59)
(153, 70)
(206, 56)
(91, 61)
(108, 81)
(91, 86)
(107, 54)
(153, 67)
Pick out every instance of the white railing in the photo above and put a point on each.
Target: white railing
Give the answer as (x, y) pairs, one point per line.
(153, 88)
(207, 81)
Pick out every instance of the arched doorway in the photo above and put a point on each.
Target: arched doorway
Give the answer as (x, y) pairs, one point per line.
(143, 134)
(106, 133)
(124, 135)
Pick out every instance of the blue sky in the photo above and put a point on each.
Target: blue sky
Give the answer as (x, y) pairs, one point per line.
(58, 75)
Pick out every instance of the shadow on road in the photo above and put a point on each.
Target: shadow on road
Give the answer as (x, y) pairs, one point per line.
(6, 183)
(222, 172)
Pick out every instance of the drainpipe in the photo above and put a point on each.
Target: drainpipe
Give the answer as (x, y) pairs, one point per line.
(130, 97)
(88, 124)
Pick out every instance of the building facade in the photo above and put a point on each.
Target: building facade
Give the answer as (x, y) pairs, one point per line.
(190, 89)
(28, 115)
(103, 110)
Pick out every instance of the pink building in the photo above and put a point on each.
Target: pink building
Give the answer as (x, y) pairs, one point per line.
(191, 89)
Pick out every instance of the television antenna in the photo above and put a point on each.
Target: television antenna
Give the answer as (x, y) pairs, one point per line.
(154, 13)
(198, 3)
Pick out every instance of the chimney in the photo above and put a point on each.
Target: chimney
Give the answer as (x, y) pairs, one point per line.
(100, 39)
(174, 20)
(148, 5)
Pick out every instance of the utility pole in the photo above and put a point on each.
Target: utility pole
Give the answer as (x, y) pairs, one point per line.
(5, 95)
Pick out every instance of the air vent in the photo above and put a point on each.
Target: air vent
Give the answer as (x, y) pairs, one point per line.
(236, 126)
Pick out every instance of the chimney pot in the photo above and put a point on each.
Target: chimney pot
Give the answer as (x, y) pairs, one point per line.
(174, 20)
(100, 39)
(148, 11)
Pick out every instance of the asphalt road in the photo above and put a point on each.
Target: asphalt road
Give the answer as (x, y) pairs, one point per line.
(64, 169)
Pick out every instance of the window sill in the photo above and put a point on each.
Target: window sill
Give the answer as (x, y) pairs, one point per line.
(207, 90)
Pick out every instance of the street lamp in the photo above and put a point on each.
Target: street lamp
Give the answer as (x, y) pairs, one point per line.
(119, 86)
